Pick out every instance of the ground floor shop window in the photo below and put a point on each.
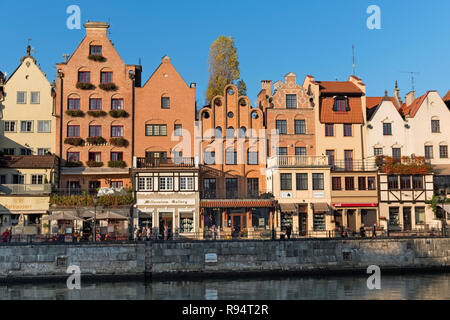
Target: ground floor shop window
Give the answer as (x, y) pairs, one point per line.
(394, 216)
(286, 221)
(319, 222)
(420, 215)
(260, 218)
(186, 222)
(368, 217)
(145, 221)
(212, 217)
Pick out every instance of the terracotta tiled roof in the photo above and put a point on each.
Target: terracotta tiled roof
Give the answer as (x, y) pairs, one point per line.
(28, 162)
(347, 87)
(412, 109)
(373, 102)
(327, 115)
(237, 203)
(447, 96)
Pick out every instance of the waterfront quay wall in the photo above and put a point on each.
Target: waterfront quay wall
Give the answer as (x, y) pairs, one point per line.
(221, 258)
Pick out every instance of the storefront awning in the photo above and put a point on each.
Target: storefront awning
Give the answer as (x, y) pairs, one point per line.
(109, 215)
(61, 215)
(145, 215)
(237, 203)
(288, 207)
(355, 205)
(321, 207)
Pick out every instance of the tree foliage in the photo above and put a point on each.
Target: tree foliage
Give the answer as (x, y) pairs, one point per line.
(223, 67)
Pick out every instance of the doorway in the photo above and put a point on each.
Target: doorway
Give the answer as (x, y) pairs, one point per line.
(166, 219)
(238, 224)
(407, 219)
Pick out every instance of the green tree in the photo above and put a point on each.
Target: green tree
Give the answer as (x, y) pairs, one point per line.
(223, 66)
(242, 88)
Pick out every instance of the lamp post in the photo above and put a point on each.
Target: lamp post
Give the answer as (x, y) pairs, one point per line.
(442, 198)
(94, 233)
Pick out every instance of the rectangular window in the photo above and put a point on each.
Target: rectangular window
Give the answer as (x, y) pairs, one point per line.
(165, 183)
(37, 179)
(347, 130)
(21, 97)
(301, 181)
(252, 187)
(300, 151)
(362, 183)
(286, 181)
(231, 185)
(394, 216)
(178, 129)
(73, 131)
(349, 183)
(10, 126)
(209, 188)
(300, 126)
(336, 183)
(428, 152)
(165, 103)
(210, 157)
(116, 131)
(317, 179)
(95, 50)
(95, 131)
(44, 126)
(371, 183)
(9, 151)
(405, 182)
(35, 97)
(95, 104)
(397, 154)
(319, 221)
(95, 156)
(116, 104)
(281, 126)
(443, 151)
(73, 156)
(377, 151)
(291, 101)
(73, 104)
(252, 158)
(387, 129)
(186, 183)
(3, 179)
(116, 156)
(417, 182)
(116, 184)
(435, 126)
(84, 77)
(43, 151)
(420, 215)
(106, 77)
(393, 182)
(340, 104)
(282, 151)
(348, 159)
(26, 152)
(145, 183)
(330, 155)
(230, 157)
(155, 130)
(329, 130)
(18, 179)
(26, 126)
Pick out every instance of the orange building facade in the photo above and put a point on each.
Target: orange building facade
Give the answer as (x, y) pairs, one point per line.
(231, 142)
(95, 101)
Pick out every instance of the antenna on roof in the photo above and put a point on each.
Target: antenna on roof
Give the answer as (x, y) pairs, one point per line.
(412, 73)
(353, 58)
(140, 61)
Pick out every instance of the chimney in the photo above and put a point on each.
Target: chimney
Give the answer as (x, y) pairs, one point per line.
(267, 85)
(96, 29)
(410, 97)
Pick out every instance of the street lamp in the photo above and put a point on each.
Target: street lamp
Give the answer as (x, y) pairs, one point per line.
(442, 198)
(94, 238)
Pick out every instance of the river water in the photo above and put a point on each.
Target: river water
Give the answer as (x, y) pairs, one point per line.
(416, 286)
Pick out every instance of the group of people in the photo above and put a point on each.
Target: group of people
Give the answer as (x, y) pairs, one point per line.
(362, 231)
(7, 235)
(145, 233)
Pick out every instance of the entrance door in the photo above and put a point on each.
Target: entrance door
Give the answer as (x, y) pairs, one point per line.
(303, 224)
(166, 220)
(407, 218)
(94, 186)
(238, 224)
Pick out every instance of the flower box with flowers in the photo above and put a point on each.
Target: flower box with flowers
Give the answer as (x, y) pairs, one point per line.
(96, 140)
(108, 86)
(97, 57)
(96, 113)
(74, 141)
(119, 142)
(75, 113)
(85, 86)
(94, 164)
(117, 164)
(118, 113)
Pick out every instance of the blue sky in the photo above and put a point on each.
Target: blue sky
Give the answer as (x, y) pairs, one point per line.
(272, 37)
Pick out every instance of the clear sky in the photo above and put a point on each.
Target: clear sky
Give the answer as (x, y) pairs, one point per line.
(272, 37)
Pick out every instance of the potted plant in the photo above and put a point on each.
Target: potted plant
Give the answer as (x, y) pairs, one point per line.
(118, 113)
(108, 86)
(74, 164)
(85, 86)
(97, 57)
(74, 141)
(96, 140)
(94, 164)
(96, 113)
(119, 142)
(117, 164)
(75, 113)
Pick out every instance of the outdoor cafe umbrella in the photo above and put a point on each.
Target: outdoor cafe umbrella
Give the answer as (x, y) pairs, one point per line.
(110, 216)
(61, 216)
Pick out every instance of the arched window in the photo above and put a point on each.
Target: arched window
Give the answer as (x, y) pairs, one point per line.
(230, 132)
(242, 132)
(218, 132)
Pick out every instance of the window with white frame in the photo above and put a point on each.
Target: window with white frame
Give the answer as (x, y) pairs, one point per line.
(37, 179)
(26, 126)
(186, 183)
(145, 183)
(10, 126)
(44, 126)
(35, 97)
(166, 183)
(21, 97)
(43, 151)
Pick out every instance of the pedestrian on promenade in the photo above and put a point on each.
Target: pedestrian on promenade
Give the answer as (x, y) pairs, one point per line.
(214, 232)
(288, 232)
(149, 233)
(374, 231)
(166, 232)
(362, 231)
(136, 231)
(5, 235)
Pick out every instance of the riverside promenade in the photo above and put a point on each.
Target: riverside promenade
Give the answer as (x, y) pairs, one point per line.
(171, 259)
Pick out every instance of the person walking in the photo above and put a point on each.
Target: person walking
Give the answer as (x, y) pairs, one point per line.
(214, 232)
(362, 231)
(374, 230)
(149, 233)
(288, 232)
(135, 235)
(166, 232)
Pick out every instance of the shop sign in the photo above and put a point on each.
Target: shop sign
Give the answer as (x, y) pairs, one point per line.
(262, 222)
(318, 195)
(166, 202)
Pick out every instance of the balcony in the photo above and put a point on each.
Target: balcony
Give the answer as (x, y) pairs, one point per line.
(25, 189)
(164, 162)
(297, 161)
(354, 165)
(233, 194)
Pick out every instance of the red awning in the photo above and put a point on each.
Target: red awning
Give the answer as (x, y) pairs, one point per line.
(354, 205)
(237, 204)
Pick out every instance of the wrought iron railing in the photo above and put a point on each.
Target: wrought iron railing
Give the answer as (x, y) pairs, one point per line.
(25, 189)
(163, 162)
(297, 161)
